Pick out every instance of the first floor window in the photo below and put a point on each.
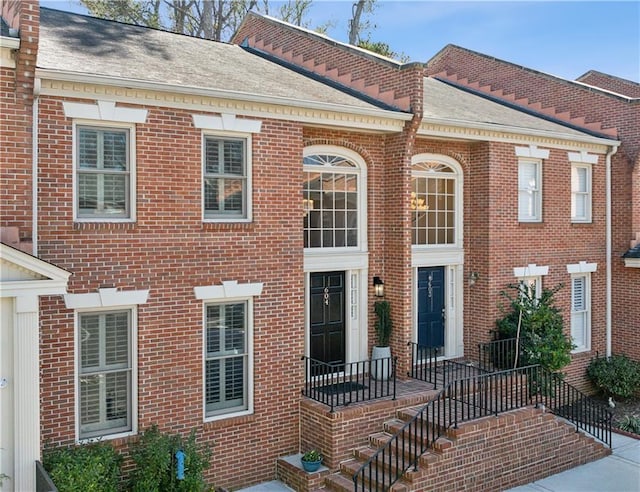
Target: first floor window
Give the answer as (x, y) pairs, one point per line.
(529, 192)
(225, 178)
(103, 172)
(105, 373)
(226, 358)
(580, 312)
(531, 286)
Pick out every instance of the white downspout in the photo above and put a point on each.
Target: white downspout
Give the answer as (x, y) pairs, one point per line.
(34, 170)
(608, 247)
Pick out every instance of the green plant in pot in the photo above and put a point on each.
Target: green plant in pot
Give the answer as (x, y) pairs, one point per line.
(311, 460)
(381, 355)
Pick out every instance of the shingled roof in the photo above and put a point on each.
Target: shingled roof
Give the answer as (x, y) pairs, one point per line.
(86, 45)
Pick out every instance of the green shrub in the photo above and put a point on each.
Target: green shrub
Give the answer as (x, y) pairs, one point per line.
(156, 469)
(542, 339)
(89, 467)
(616, 376)
(630, 423)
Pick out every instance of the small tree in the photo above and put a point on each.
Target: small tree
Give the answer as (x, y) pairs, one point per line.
(384, 324)
(538, 325)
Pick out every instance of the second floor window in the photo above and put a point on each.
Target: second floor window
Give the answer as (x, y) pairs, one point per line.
(580, 193)
(529, 191)
(103, 187)
(331, 202)
(225, 178)
(433, 204)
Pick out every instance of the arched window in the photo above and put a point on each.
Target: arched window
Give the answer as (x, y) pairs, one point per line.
(434, 201)
(332, 197)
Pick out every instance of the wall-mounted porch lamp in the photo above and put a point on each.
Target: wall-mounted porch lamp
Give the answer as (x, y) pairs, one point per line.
(378, 286)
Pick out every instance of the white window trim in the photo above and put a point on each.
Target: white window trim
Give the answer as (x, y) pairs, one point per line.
(104, 111)
(361, 172)
(533, 152)
(226, 123)
(459, 200)
(229, 292)
(589, 193)
(587, 311)
(134, 371)
(538, 198)
(248, 170)
(106, 298)
(532, 272)
(132, 170)
(583, 269)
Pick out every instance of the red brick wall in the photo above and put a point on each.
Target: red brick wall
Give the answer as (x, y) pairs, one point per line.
(611, 83)
(509, 450)
(169, 251)
(16, 99)
(595, 106)
(335, 61)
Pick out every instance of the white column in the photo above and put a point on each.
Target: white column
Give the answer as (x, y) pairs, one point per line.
(27, 392)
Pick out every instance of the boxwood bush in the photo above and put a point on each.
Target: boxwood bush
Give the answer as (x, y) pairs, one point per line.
(617, 376)
(87, 467)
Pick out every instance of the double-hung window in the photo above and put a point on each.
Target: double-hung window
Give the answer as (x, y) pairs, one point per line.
(581, 193)
(103, 172)
(529, 190)
(581, 311)
(226, 358)
(225, 178)
(105, 373)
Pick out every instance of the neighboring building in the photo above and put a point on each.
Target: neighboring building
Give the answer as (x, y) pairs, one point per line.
(216, 211)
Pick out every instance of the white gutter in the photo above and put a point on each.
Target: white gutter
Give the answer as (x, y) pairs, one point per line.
(613, 150)
(516, 130)
(62, 75)
(34, 166)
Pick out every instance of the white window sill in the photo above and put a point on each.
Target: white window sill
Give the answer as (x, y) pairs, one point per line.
(224, 416)
(105, 437)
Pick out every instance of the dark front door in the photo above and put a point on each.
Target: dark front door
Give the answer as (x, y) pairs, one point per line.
(431, 306)
(326, 314)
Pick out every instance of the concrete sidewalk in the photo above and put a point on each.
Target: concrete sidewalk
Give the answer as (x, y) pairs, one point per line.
(619, 472)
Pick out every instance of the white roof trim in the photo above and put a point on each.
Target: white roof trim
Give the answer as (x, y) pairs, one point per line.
(533, 152)
(226, 122)
(106, 297)
(55, 281)
(582, 157)
(9, 42)
(104, 111)
(531, 270)
(582, 267)
(632, 262)
(61, 75)
(229, 289)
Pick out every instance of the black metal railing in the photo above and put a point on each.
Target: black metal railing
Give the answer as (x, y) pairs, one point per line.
(500, 354)
(453, 370)
(471, 398)
(568, 402)
(424, 363)
(345, 383)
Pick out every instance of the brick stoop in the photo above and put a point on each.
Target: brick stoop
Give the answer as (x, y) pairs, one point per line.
(492, 453)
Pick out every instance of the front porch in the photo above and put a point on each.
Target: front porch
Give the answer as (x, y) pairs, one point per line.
(405, 425)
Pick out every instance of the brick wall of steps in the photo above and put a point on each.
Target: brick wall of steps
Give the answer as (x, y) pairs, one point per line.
(491, 453)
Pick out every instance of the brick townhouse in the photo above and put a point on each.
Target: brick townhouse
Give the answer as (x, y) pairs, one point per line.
(183, 220)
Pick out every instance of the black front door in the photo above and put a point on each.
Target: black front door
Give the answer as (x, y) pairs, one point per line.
(431, 306)
(326, 315)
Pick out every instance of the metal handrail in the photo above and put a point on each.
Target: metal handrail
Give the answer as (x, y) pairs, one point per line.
(341, 384)
(474, 397)
(424, 363)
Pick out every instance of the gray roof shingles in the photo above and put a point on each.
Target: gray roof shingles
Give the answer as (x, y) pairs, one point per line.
(77, 43)
(445, 102)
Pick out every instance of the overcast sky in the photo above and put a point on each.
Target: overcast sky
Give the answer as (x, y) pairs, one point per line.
(565, 39)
